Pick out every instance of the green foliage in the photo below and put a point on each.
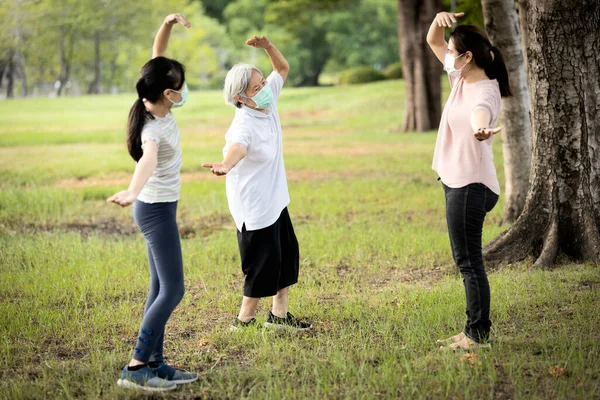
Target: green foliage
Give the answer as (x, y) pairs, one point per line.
(363, 74)
(471, 8)
(364, 33)
(393, 71)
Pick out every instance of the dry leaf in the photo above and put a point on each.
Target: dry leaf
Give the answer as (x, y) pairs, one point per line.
(470, 357)
(557, 371)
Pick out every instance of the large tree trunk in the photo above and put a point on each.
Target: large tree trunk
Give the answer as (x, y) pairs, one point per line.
(562, 211)
(420, 67)
(500, 17)
(523, 5)
(94, 87)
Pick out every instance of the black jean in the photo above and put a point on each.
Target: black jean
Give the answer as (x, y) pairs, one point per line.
(466, 208)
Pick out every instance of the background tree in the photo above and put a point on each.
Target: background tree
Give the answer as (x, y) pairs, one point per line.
(420, 67)
(503, 29)
(562, 210)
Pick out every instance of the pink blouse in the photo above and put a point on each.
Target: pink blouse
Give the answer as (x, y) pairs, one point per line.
(459, 158)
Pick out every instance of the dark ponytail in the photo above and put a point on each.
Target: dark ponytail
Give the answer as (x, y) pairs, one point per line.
(487, 57)
(158, 74)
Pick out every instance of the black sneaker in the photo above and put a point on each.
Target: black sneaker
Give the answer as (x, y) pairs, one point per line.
(289, 322)
(237, 324)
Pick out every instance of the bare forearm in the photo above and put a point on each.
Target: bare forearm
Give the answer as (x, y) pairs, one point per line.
(278, 61)
(235, 153)
(143, 170)
(435, 36)
(480, 119)
(161, 41)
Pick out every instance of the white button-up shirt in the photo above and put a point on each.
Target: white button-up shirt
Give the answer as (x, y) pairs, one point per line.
(257, 189)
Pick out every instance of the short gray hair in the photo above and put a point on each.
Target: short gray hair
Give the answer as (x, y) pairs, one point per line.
(236, 82)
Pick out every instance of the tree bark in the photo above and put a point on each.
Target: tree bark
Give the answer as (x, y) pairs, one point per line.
(95, 85)
(500, 18)
(522, 7)
(420, 67)
(562, 210)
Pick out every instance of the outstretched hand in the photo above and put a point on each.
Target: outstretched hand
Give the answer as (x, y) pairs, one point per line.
(124, 198)
(173, 19)
(260, 42)
(446, 19)
(486, 133)
(218, 169)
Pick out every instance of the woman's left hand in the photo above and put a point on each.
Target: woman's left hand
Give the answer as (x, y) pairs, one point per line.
(486, 133)
(260, 42)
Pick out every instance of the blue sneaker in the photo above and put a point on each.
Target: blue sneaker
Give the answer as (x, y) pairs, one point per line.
(173, 375)
(144, 379)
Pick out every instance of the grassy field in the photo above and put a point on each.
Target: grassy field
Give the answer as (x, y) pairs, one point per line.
(377, 278)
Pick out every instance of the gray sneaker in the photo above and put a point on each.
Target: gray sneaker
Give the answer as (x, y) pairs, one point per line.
(171, 374)
(144, 379)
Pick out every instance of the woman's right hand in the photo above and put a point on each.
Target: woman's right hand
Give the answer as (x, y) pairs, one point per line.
(446, 19)
(173, 19)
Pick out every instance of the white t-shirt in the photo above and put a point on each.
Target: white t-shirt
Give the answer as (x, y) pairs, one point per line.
(164, 184)
(257, 189)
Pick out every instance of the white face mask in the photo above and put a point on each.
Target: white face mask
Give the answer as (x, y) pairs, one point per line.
(449, 61)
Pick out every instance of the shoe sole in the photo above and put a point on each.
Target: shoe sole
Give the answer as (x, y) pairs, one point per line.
(131, 385)
(182, 381)
(270, 325)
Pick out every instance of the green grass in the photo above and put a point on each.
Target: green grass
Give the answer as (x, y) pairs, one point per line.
(377, 278)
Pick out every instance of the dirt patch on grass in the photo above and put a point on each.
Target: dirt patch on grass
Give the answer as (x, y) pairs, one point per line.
(101, 227)
(199, 226)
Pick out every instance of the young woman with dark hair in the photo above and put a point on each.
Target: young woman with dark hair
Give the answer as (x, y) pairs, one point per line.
(464, 160)
(153, 143)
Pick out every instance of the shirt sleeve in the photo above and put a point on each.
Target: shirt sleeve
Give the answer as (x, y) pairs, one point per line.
(241, 136)
(490, 103)
(150, 132)
(276, 82)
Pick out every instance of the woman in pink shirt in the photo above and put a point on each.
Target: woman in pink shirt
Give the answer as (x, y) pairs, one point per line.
(464, 160)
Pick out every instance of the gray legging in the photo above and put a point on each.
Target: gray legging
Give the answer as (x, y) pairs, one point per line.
(158, 224)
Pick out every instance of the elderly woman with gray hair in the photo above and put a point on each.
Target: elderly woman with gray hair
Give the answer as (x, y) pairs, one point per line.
(257, 190)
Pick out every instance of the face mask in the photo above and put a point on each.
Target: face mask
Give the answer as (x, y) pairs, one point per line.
(449, 61)
(184, 96)
(263, 98)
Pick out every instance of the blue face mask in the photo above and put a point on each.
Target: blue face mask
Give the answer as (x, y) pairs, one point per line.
(184, 96)
(263, 98)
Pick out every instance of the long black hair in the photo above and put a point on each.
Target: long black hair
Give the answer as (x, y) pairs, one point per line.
(471, 38)
(158, 74)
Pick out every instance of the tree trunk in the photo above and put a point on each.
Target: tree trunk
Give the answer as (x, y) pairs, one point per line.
(10, 75)
(500, 18)
(420, 67)
(562, 210)
(95, 85)
(523, 5)
(66, 55)
(20, 61)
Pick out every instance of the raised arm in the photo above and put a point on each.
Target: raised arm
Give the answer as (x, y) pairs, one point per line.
(161, 41)
(278, 61)
(435, 36)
